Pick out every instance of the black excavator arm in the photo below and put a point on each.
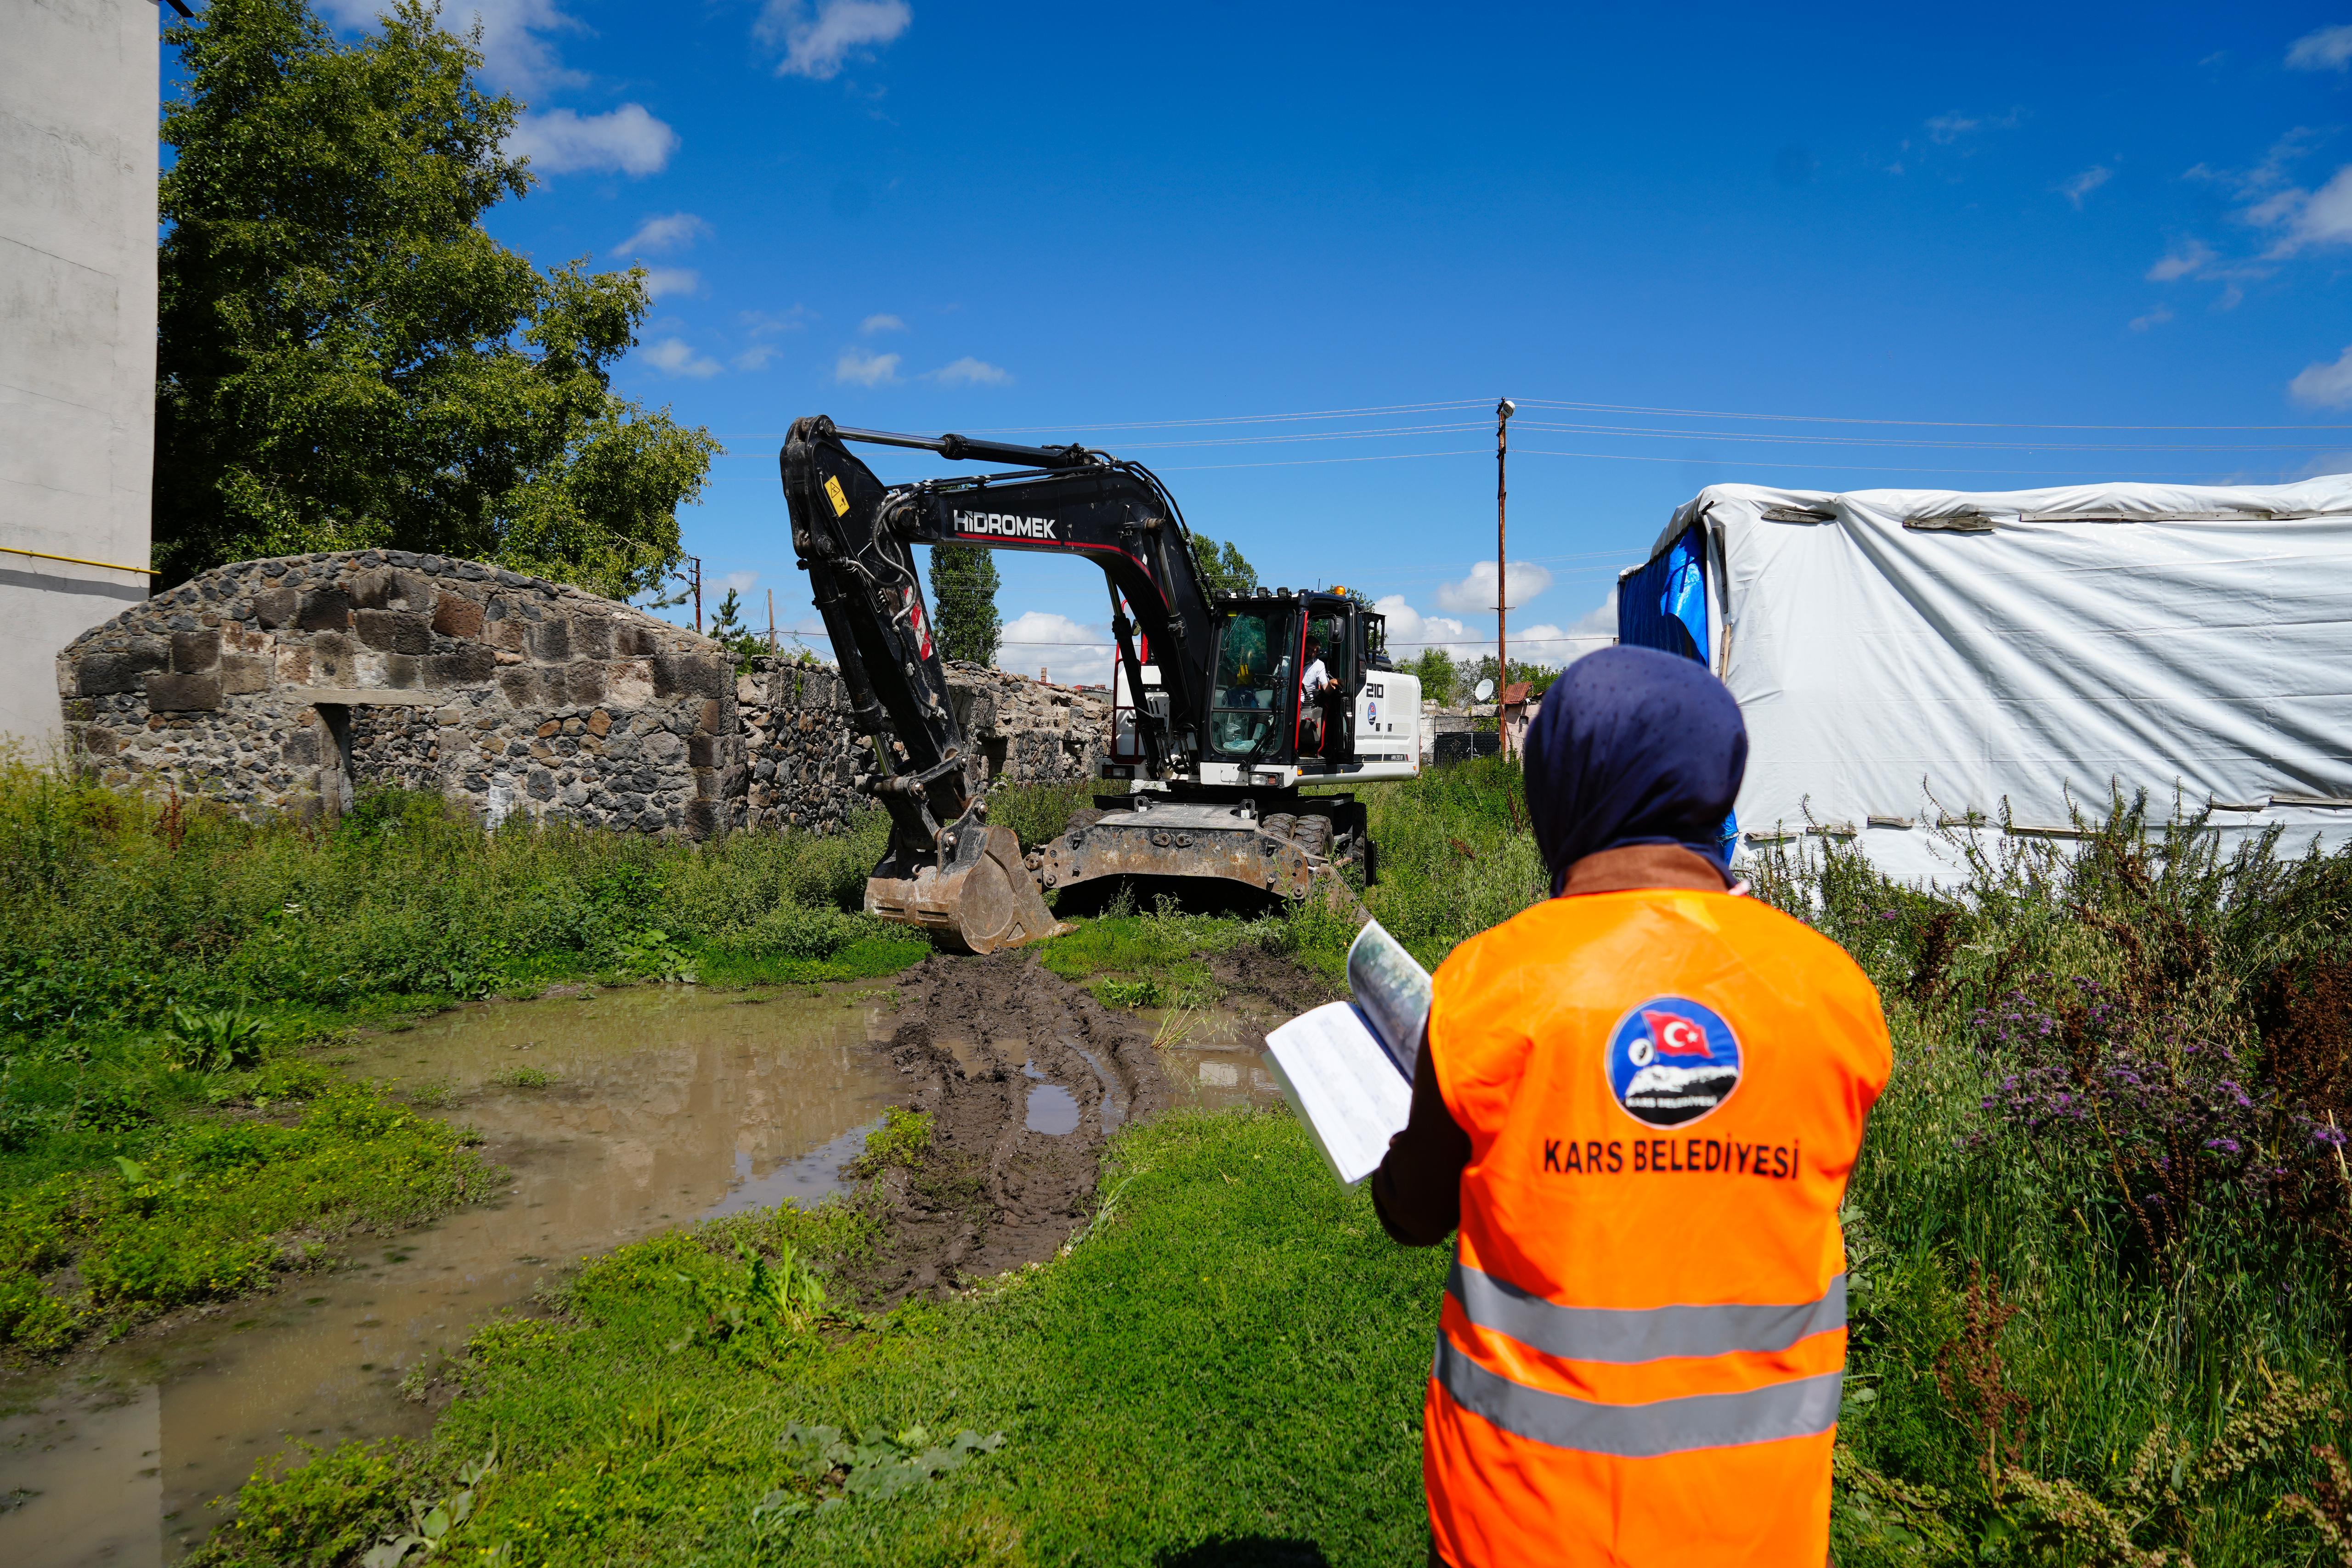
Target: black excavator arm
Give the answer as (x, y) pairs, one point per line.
(946, 869)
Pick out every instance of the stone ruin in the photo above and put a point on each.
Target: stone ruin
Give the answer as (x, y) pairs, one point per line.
(285, 684)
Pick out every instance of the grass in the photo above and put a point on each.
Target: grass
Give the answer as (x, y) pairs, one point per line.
(1231, 1362)
(164, 965)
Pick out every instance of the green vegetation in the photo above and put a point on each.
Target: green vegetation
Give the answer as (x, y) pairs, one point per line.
(161, 965)
(211, 1207)
(964, 602)
(347, 360)
(2099, 1231)
(1223, 568)
(1231, 1360)
(2099, 1235)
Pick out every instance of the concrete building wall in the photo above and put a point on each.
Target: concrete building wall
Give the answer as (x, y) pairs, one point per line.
(78, 94)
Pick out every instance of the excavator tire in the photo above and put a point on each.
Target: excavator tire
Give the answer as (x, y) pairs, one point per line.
(980, 898)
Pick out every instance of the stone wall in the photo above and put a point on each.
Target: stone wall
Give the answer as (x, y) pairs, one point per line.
(279, 685)
(284, 685)
(802, 758)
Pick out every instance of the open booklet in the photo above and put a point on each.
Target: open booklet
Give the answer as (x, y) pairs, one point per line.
(1346, 1067)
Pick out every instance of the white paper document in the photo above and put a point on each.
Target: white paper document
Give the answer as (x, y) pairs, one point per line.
(1346, 1067)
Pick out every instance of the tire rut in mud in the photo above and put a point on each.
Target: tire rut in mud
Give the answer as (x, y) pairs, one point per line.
(1024, 1076)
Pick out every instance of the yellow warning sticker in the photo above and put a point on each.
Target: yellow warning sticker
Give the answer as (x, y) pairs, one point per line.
(840, 500)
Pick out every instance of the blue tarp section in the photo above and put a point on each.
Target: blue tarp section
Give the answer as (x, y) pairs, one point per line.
(1664, 606)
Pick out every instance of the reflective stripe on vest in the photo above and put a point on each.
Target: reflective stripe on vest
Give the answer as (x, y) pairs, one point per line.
(1802, 1408)
(1625, 1337)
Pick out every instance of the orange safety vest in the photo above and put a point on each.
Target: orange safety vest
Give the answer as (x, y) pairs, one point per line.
(1643, 1344)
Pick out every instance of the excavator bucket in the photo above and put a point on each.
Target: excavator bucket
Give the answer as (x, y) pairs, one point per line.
(979, 898)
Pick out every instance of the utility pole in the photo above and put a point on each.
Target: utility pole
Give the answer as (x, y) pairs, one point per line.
(1502, 412)
(697, 593)
(772, 623)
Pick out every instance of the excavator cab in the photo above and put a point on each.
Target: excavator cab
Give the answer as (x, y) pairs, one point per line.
(1260, 714)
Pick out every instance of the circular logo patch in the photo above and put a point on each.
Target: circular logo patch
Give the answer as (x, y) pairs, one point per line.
(1672, 1061)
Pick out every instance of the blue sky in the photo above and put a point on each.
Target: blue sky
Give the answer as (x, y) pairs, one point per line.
(1148, 227)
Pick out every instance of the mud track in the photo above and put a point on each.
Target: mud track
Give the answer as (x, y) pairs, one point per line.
(984, 1044)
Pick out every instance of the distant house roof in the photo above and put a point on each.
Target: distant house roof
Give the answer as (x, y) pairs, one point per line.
(1516, 692)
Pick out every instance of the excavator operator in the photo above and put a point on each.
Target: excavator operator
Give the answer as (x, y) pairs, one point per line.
(1638, 1102)
(1316, 690)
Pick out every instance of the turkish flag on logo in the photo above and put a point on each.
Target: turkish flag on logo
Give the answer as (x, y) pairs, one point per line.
(1674, 1035)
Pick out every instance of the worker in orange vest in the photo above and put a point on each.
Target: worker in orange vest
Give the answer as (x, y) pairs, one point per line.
(1638, 1101)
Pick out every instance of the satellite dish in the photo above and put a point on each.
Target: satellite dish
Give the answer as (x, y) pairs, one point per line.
(1486, 691)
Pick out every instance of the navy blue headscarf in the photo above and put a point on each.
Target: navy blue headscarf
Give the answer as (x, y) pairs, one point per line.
(1633, 747)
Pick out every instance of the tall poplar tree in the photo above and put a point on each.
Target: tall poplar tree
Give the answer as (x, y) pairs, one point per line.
(964, 602)
(347, 360)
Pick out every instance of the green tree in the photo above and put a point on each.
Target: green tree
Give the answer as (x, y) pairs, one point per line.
(346, 360)
(1223, 567)
(728, 630)
(1439, 674)
(964, 602)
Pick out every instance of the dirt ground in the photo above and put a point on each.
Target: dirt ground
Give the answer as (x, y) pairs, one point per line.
(982, 1044)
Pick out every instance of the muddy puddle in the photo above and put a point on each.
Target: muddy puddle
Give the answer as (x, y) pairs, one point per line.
(662, 1105)
(619, 1115)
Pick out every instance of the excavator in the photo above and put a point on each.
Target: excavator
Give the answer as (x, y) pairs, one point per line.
(1215, 729)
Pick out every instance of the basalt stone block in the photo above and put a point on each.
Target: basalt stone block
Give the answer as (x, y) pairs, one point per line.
(690, 675)
(324, 610)
(550, 640)
(455, 615)
(97, 740)
(585, 684)
(299, 748)
(633, 642)
(371, 589)
(591, 637)
(122, 670)
(464, 666)
(524, 688)
(193, 651)
(244, 673)
(404, 671)
(396, 630)
(185, 694)
(276, 607)
(703, 751)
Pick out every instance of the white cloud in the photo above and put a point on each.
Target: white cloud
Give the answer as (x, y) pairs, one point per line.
(970, 372)
(873, 324)
(817, 46)
(1475, 594)
(513, 53)
(1072, 653)
(1557, 646)
(857, 367)
(2326, 49)
(2182, 261)
(2156, 317)
(667, 280)
(1409, 630)
(2083, 183)
(627, 141)
(2307, 217)
(741, 581)
(673, 357)
(668, 232)
(756, 356)
(1946, 128)
(2325, 386)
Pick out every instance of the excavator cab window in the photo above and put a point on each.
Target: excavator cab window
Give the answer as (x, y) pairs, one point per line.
(1252, 667)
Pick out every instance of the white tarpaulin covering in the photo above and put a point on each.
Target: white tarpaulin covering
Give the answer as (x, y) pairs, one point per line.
(1907, 656)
